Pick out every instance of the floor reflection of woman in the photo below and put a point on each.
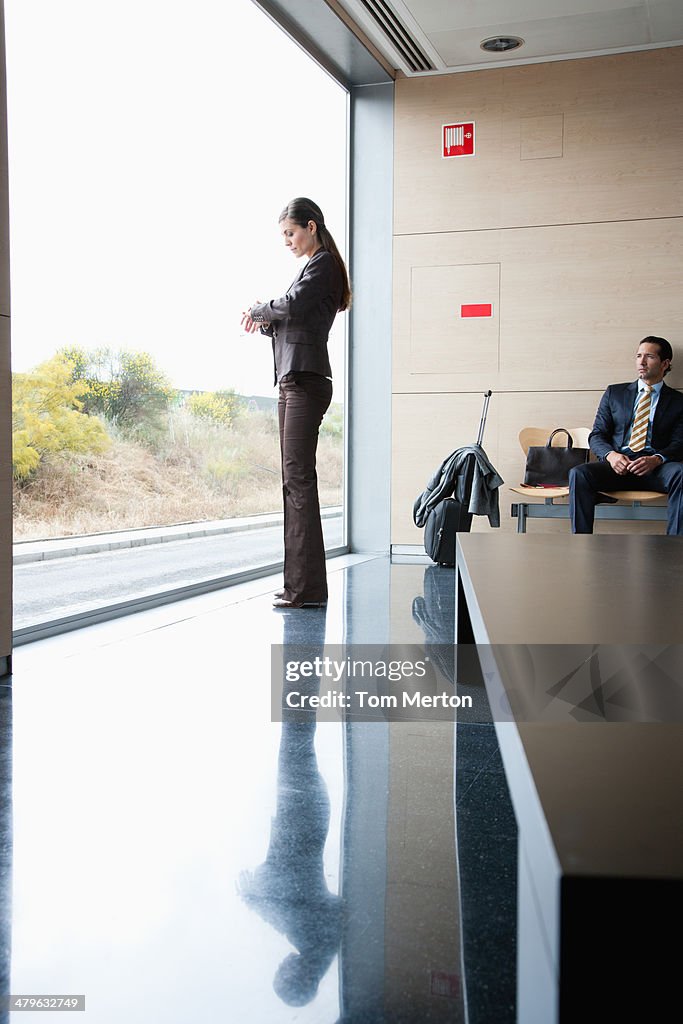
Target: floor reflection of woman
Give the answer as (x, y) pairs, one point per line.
(289, 889)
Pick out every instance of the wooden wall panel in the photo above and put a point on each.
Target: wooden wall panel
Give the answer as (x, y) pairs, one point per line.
(621, 139)
(460, 368)
(574, 302)
(441, 341)
(5, 491)
(5, 380)
(541, 138)
(579, 298)
(4, 180)
(436, 194)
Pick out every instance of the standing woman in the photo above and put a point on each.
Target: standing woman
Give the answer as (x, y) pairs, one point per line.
(299, 324)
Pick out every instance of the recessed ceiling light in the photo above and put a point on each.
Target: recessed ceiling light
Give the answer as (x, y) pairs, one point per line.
(500, 44)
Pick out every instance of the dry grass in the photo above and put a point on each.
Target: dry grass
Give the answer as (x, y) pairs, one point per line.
(203, 471)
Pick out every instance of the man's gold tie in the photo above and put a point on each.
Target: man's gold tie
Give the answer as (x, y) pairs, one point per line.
(642, 419)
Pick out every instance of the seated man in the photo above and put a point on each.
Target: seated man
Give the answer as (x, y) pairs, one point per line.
(638, 438)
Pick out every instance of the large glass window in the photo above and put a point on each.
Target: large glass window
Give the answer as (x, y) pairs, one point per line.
(152, 146)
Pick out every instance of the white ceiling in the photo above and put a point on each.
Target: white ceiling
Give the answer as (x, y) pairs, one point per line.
(449, 32)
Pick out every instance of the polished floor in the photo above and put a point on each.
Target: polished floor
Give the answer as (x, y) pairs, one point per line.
(178, 856)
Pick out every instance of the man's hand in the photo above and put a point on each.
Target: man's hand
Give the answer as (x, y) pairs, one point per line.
(644, 465)
(619, 463)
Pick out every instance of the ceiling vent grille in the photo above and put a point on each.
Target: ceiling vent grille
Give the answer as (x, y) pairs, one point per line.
(386, 18)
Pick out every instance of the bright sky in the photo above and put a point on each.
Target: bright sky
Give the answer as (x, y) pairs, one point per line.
(152, 145)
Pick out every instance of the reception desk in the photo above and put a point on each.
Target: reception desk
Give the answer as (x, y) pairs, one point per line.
(593, 755)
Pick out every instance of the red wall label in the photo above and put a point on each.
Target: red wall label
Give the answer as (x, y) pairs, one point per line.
(457, 139)
(477, 309)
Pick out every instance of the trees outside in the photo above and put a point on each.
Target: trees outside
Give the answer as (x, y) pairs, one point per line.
(126, 388)
(48, 417)
(101, 441)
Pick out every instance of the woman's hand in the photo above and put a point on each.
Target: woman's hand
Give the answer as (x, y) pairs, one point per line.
(249, 325)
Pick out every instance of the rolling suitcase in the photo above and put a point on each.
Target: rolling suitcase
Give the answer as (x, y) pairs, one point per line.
(444, 521)
(451, 515)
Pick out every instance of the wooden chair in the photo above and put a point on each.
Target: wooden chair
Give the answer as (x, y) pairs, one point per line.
(539, 502)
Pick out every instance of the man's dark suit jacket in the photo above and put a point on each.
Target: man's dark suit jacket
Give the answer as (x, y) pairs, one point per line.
(300, 321)
(615, 413)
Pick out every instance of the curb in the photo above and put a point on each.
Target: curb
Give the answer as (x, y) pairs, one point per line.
(67, 547)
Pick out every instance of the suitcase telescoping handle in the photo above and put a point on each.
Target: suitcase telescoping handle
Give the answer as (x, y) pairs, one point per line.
(482, 425)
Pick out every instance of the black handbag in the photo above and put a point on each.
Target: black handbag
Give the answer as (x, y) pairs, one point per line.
(548, 465)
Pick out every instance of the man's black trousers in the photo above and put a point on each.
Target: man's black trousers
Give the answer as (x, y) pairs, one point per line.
(585, 483)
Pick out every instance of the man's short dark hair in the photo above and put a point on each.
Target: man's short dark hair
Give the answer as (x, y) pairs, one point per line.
(665, 350)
